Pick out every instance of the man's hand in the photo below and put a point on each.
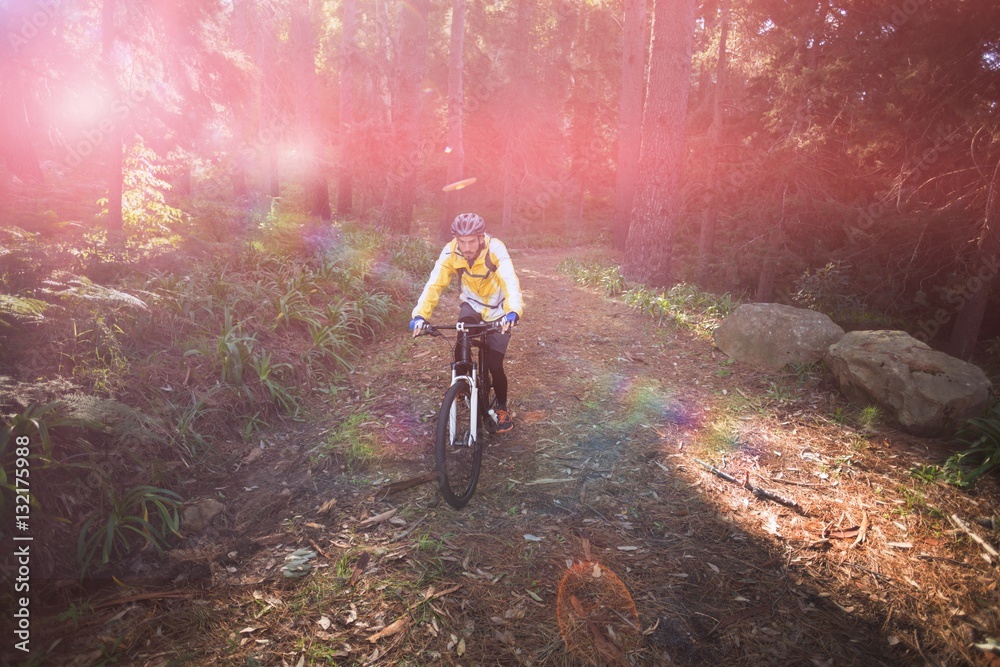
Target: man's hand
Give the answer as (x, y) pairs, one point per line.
(508, 321)
(417, 325)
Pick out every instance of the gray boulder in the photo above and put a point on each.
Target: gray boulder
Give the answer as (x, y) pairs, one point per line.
(770, 336)
(926, 391)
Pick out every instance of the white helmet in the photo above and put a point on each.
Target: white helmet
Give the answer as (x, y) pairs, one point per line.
(468, 224)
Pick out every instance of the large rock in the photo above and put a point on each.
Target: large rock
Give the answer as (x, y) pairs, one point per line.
(928, 392)
(771, 335)
(197, 516)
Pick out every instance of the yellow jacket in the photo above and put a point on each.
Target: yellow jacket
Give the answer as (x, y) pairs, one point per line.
(490, 285)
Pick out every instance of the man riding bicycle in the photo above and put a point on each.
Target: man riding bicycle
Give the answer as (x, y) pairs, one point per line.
(490, 292)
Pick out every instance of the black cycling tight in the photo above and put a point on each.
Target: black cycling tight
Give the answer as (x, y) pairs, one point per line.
(494, 364)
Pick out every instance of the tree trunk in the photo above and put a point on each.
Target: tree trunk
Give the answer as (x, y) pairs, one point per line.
(508, 189)
(116, 174)
(456, 158)
(275, 124)
(635, 45)
(348, 64)
(400, 196)
(16, 147)
(514, 98)
(706, 240)
(768, 269)
(583, 112)
(965, 332)
(661, 160)
(303, 43)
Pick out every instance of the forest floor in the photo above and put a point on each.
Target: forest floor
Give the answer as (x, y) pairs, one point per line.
(595, 536)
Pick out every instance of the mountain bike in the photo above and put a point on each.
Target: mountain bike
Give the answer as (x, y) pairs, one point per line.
(469, 406)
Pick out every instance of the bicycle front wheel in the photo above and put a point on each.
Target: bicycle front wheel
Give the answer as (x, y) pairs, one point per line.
(457, 454)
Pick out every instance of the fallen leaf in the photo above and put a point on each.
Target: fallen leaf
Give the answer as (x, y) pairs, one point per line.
(460, 650)
(715, 568)
(397, 626)
(514, 613)
(254, 454)
(534, 596)
(359, 567)
(533, 416)
(900, 545)
(596, 572)
(352, 615)
(248, 630)
(532, 538)
(324, 622)
(628, 548)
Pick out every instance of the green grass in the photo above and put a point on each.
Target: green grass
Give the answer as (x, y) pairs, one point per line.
(350, 442)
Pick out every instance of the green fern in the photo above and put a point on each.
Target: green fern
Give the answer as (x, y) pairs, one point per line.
(983, 437)
(20, 308)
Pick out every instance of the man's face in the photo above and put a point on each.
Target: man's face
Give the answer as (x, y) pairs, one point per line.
(470, 246)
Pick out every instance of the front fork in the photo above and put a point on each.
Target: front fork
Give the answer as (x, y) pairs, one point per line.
(473, 399)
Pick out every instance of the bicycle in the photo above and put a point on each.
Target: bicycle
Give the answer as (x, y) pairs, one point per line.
(469, 403)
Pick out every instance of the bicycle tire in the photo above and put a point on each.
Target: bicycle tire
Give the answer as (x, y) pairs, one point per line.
(457, 464)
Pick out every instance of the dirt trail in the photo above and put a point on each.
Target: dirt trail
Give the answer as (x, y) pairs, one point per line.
(610, 411)
(604, 402)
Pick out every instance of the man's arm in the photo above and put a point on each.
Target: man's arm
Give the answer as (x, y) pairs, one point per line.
(441, 276)
(513, 301)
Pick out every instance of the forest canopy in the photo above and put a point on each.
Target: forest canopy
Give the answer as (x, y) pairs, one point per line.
(841, 154)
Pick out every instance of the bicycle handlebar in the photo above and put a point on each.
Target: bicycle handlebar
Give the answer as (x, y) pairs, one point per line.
(474, 329)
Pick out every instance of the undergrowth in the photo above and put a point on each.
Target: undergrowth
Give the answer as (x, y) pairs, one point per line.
(155, 358)
(683, 306)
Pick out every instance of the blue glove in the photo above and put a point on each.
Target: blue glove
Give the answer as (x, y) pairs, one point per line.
(417, 323)
(507, 322)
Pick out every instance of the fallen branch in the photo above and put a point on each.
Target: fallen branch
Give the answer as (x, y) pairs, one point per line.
(761, 494)
(158, 595)
(409, 530)
(378, 518)
(964, 527)
(408, 483)
(862, 532)
(319, 549)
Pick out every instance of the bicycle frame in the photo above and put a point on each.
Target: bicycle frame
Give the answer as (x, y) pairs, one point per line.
(467, 335)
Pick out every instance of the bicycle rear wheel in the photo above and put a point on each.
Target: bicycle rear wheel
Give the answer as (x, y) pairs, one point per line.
(458, 457)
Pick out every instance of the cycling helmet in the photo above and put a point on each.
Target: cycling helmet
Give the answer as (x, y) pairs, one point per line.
(468, 224)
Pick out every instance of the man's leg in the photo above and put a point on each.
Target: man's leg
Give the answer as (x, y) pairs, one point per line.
(496, 348)
(494, 362)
